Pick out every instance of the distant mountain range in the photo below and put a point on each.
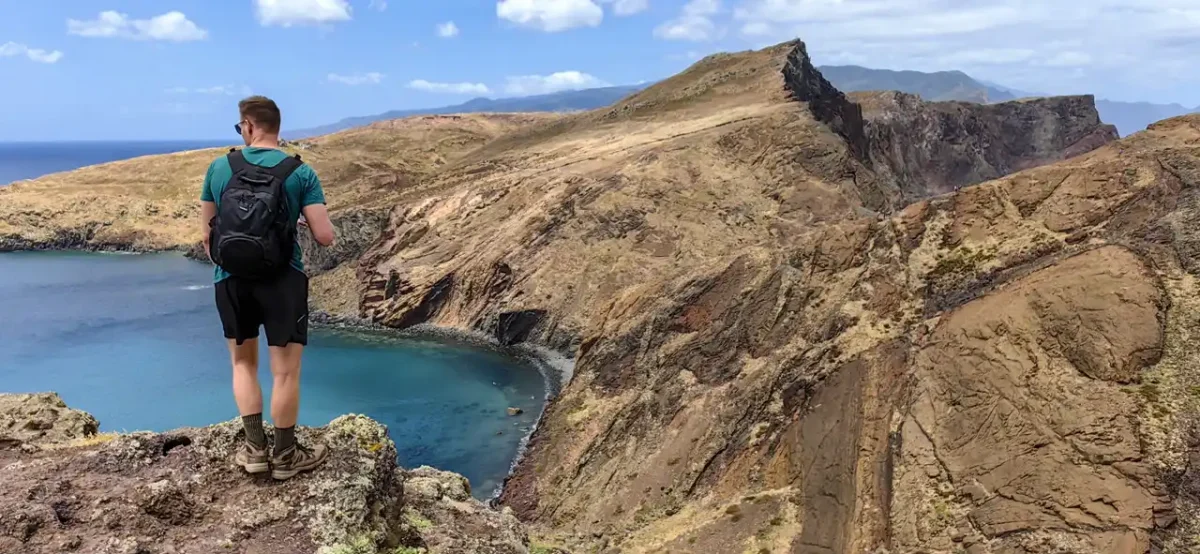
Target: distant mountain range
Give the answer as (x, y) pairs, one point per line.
(1129, 117)
(937, 87)
(565, 101)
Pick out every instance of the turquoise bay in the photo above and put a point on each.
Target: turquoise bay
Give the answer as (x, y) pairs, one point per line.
(135, 340)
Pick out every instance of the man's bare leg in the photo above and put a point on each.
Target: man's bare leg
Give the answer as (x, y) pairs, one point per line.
(285, 393)
(248, 394)
(246, 390)
(290, 457)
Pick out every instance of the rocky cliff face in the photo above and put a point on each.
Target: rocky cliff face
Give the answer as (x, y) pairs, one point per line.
(68, 489)
(1000, 370)
(752, 333)
(931, 148)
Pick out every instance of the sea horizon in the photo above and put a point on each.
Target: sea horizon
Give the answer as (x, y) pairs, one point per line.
(26, 160)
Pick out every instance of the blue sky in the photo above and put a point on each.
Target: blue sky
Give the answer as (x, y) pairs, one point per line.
(156, 69)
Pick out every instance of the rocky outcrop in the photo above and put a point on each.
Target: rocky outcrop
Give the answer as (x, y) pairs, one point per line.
(69, 489)
(356, 230)
(41, 418)
(826, 102)
(931, 148)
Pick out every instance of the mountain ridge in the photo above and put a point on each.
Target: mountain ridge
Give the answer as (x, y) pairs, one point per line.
(940, 86)
(571, 100)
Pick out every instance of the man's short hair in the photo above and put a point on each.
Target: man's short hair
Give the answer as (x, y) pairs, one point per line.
(262, 111)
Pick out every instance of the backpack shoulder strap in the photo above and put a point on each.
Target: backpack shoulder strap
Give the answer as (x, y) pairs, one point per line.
(237, 162)
(285, 168)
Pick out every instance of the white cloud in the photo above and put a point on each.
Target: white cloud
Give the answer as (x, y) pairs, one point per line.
(628, 7)
(286, 13)
(449, 88)
(550, 15)
(1122, 49)
(372, 78)
(695, 23)
(447, 29)
(378, 5)
(171, 26)
(525, 85)
(13, 49)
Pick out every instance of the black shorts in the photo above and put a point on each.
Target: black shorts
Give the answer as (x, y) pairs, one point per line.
(280, 306)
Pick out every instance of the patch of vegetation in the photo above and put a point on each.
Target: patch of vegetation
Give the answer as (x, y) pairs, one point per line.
(417, 520)
(777, 521)
(537, 548)
(962, 261)
(1150, 392)
(691, 540)
(360, 544)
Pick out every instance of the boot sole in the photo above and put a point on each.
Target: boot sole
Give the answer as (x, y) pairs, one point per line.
(285, 474)
(261, 467)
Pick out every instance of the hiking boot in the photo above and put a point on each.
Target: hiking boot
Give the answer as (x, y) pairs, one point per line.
(297, 459)
(252, 458)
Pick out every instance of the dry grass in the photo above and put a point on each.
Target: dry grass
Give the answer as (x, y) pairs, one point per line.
(85, 442)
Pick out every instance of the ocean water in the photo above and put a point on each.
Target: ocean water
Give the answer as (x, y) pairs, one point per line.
(136, 341)
(28, 160)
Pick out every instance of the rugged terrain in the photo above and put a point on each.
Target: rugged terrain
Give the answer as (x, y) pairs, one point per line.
(68, 489)
(782, 343)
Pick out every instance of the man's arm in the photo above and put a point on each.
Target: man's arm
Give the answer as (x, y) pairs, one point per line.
(316, 218)
(314, 214)
(208, 210)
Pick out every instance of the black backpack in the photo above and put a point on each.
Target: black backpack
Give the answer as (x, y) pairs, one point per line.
(252, 236)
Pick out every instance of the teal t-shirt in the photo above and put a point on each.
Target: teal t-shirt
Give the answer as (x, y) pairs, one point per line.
(303, 188)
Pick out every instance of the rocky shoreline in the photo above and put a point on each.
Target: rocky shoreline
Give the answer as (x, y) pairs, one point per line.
(69, 488)
(70, 242)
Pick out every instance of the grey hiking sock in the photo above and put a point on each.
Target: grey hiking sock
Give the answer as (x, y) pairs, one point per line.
(285, 437)
(254, 430)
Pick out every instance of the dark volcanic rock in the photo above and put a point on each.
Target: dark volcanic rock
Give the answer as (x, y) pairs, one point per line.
(930, 148)
(356, 230)
(827, 103)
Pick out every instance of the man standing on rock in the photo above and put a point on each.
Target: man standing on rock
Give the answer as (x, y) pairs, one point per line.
(250, 208)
